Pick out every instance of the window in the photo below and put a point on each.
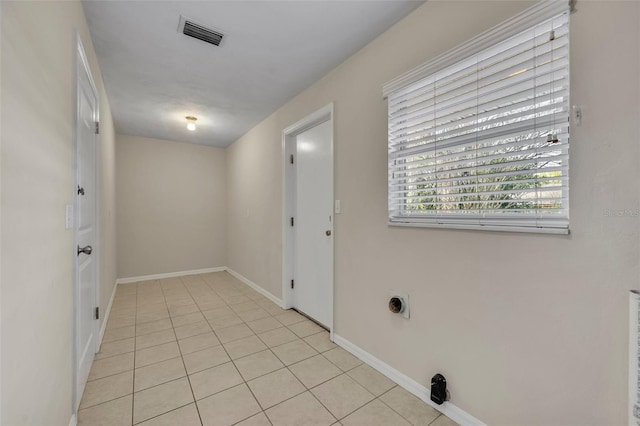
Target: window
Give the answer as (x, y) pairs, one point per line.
(479, 137)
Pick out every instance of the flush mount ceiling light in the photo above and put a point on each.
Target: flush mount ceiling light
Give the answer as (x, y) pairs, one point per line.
(191, 122)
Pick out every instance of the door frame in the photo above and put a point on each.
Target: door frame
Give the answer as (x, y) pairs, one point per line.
(82, 66)
(289, 135)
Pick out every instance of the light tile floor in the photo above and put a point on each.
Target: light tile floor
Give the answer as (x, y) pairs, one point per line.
(208, 350)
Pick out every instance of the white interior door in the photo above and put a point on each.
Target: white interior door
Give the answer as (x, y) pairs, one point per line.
(313, 241)
(85, 227)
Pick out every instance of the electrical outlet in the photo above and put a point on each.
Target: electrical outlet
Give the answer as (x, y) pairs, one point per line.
(577, 115)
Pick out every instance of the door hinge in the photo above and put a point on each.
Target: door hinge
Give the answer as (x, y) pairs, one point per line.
(291, 221)
(292, 285)
(97, 127)
(291, 158)
(97, 312)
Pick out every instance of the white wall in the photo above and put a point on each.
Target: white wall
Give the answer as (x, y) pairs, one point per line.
(171, 199)
(38, 109)
(254, 168)
(527, 328)
(106, 158)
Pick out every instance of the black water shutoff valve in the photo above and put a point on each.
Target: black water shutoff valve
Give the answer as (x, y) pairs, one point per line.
(438, 389)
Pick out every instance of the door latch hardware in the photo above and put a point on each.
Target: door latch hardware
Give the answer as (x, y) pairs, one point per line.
(97, 312)
(292, 285)
(291, 221)
(86, 250)
(80, 190)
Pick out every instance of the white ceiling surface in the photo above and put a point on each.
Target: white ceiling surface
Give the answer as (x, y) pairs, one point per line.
(155, 76)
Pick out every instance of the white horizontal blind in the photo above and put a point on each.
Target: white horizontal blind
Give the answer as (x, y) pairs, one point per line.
(485, 141)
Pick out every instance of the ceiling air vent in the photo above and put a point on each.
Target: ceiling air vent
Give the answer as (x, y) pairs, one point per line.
(190, 28)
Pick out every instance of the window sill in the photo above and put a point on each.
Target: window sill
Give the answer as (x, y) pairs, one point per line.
(498, 228)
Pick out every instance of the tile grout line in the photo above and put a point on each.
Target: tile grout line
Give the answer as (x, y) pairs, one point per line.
(162, 414)
(111, 375)
(214, 331)
(135, 346)
(270, 349)
(359, 407)
(180, 350)
(215, 290)
(118, 340)
(244, 382)
(163, 383)
(104, 402)
(304, 359)
(160, 286)
(114, 355)
(396, 385)
(298, 338)
(307, 389)
(395, 411)
(240, 374)
(345, 372)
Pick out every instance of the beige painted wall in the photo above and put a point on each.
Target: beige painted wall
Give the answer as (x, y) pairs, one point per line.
(38, 109)
(527, 328)
(171, 206)
(106, 158)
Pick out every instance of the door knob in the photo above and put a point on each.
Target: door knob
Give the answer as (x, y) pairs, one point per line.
(328, 232)
(86, 250)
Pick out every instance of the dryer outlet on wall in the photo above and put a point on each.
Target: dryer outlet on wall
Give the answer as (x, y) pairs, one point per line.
(399, 303)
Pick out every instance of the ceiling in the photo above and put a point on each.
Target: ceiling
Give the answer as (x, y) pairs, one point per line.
(155, 75)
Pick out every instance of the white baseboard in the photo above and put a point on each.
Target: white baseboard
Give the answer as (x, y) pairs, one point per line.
(237, 275)
(257, 288)
(448, 409)
(170, 275)
(106, 314)
(74, 420)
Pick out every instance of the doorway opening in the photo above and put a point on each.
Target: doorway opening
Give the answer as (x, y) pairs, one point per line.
(85, 225)
(308, 251)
